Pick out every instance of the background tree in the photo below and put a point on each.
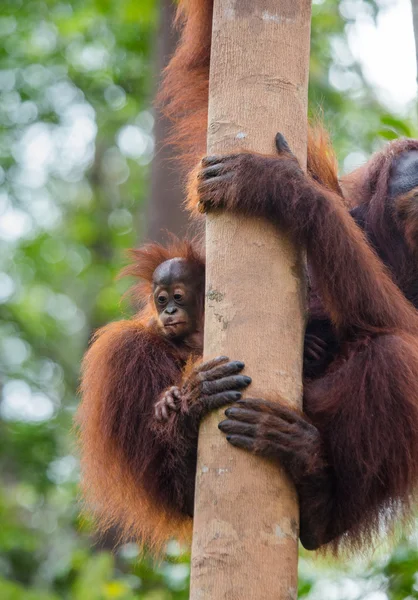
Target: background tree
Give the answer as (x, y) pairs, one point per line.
(165, 210)
(76, 142)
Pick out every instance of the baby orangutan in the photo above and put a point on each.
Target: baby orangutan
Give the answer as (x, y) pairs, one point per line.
(177, 301)
(144, 395)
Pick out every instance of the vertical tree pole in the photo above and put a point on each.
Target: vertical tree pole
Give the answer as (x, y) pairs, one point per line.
(246, 514)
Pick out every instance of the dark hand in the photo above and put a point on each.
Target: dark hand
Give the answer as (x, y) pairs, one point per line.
(315, 351)
(221, 176)
(215, 178)
(274, 431)
(211, 385)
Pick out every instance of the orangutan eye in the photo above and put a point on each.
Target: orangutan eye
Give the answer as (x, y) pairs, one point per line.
(162, 299)
(178, 297)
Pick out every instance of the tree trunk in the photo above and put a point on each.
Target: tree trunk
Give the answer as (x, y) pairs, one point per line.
(165, 211)
(415, 22)
(246, 514)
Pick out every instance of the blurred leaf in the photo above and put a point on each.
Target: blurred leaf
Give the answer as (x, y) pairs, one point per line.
(76, 85)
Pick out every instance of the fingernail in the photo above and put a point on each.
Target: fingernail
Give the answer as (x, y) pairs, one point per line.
(239, 364)
(247, 379)
(237, 396)
(227, 412)
(228, 437)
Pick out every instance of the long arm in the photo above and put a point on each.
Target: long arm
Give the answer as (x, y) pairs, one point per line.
(276, 188)
(354, 457)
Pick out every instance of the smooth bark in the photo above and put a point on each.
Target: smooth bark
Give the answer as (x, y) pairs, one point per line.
(245, 538)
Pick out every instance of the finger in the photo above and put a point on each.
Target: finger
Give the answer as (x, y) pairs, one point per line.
(311, 344)
(177, 393)
(317, 340)
(238, 428)
(274, 428)
(243, 414)
(231, 368)
(164, 412)
(312, 354)
(235, 382)
(266, 449)
(317, 348)
(205, 185)
(157, 413)
(171, 403)
(281, 144)
(274, 408)
(211, 171)
(246, 415)
(206, 366)
(241, 441)
(219, 400)
(214, 159)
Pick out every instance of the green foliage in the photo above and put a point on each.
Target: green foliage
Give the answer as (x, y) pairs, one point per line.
(76, 81)
(402, 572)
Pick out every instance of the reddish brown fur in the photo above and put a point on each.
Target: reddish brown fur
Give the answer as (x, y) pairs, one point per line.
(384, 220)
(322, 160)
(184, 96)
(365, 405)
(184, 93)
(132, 476)
(407, 213)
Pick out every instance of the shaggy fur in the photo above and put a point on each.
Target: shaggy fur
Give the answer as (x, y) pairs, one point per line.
(184, 96)
(185, 90)
(132, 476)
(364, 400)
(354, 457)
(356, 477)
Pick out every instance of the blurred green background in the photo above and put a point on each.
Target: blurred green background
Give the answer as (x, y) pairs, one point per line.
(77, 139)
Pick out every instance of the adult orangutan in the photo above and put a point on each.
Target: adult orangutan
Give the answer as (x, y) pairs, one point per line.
(353, 454)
